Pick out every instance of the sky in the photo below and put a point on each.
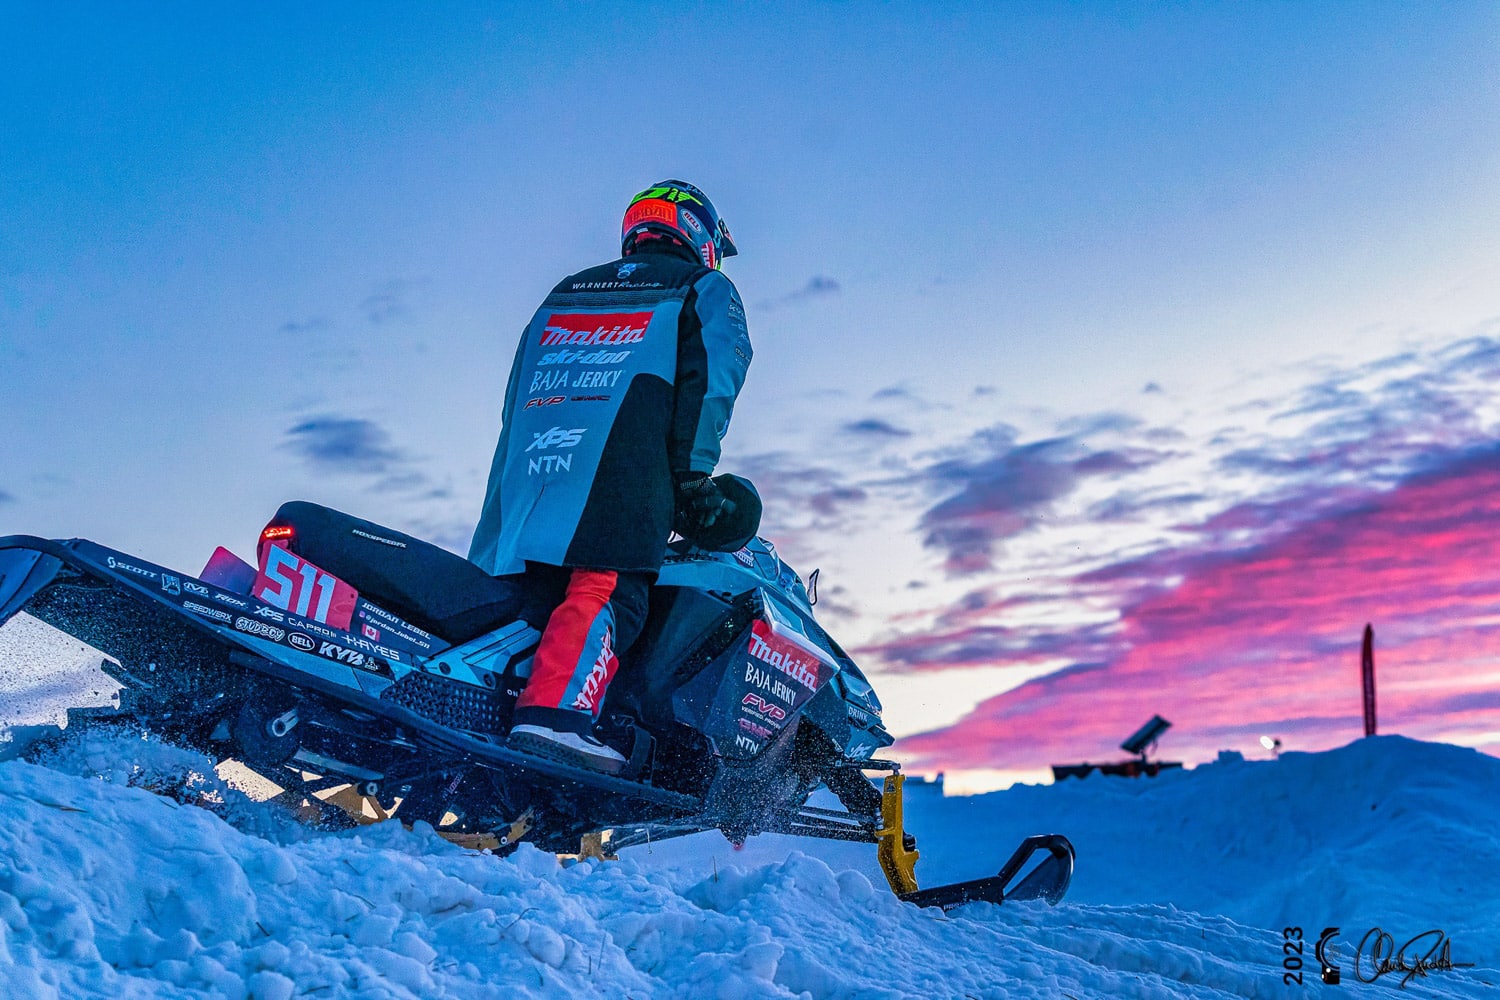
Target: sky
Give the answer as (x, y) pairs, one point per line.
(1111, 359)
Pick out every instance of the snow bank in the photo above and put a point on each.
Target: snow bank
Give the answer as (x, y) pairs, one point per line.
(109, 890)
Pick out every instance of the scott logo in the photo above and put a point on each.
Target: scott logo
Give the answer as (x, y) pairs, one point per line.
(557, 437)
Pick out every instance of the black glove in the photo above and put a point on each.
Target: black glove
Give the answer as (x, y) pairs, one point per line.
(699, 503)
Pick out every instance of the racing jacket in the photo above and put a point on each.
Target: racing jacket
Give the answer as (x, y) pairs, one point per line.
(627, 374)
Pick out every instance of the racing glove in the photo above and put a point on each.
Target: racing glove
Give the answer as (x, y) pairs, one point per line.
(699, 503)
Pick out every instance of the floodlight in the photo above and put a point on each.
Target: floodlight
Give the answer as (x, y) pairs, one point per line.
(1146, 735)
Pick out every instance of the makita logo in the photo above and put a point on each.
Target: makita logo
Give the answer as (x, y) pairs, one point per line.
(607, 329)
(260, 628)
(790, 660)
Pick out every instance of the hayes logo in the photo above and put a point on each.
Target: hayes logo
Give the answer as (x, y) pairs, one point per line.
(302, 642)
(787, 657)
(260, 628)
(597, 328)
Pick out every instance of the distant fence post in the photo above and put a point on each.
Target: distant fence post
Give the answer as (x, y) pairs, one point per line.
(1367, 674)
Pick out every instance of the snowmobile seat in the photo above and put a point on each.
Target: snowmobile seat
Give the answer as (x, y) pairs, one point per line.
(430, 587)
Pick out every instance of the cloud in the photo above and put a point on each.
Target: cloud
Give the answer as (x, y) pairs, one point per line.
(1004, 493)
(817, 287)
(391, 300)
(6, 497)
(315, 324)
(1252, 641)
(1216, 567)
(332, 443)
(874, 428)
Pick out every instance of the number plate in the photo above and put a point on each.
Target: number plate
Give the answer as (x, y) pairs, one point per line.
(293, 584)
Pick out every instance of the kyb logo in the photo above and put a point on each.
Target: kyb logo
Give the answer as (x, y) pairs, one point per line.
(557, 438)
(334, 651)
(564, 329)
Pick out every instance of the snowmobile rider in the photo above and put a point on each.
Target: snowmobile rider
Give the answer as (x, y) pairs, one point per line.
(621, 390)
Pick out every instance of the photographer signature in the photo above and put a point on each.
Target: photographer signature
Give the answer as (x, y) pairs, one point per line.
(1384, 958)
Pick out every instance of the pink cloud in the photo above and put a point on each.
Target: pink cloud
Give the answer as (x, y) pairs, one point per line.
(1265, 640)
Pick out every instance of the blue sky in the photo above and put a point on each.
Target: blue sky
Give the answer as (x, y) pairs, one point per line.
(994, 256)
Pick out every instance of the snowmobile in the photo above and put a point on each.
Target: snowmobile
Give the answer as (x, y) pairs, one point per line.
(370, 674)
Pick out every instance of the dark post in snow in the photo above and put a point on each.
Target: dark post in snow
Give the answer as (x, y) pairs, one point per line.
(1367, 672)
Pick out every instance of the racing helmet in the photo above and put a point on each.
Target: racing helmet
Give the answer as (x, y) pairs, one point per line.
(681, 211)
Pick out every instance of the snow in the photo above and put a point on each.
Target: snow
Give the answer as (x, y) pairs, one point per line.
(1184, 883)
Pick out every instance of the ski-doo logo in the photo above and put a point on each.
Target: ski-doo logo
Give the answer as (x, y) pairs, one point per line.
(269, 613)
(599, 329)
(206, 612)
(302, 642)
(195, 588)
(260, 628)
(583, 358)
(334, 651)
(171, 584)
(787, 657)
(763, 709)
(125, 567)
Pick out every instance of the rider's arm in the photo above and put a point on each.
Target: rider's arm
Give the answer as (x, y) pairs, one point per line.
(713, 354)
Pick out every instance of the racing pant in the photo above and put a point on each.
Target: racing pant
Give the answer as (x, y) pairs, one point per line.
(599, 617)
